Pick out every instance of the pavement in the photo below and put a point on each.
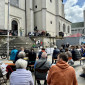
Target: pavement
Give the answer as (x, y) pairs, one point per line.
(77, 67)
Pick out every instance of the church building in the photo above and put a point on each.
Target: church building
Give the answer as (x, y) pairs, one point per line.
(25, 15)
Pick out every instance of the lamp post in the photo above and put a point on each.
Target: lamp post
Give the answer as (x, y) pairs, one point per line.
(8, 31)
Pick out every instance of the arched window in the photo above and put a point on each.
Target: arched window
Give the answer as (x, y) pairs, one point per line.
(59, 26)
(14, 28)
(64, 28)
(68, 29)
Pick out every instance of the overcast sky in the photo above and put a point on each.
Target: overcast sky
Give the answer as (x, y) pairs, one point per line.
(74, 10)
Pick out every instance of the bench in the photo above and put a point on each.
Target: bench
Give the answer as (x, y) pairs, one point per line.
(12, 65)
(82, 59)
(31, 67)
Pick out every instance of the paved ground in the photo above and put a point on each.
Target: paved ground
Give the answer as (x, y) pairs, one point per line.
(77, 67)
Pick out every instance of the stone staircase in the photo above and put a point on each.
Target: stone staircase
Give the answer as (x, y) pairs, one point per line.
(25, 42)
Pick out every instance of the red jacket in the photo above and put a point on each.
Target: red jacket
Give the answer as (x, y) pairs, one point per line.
(61, 74)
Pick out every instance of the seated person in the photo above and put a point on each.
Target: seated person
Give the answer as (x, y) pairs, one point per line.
(32, 57)
(6, 69)
(75, 54)
(62, 73)
(21, 55)
(42, 63)
(21, 76)
(20, 52)
(69, 54)
(83, 74)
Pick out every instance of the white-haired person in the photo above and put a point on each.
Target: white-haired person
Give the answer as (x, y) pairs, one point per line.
(42, 63)
(21, 55)
(21, 76)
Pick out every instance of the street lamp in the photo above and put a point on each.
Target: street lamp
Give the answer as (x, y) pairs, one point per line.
(8, 31)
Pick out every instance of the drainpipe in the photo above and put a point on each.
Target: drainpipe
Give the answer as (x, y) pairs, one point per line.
(25, 19)
(8, 30)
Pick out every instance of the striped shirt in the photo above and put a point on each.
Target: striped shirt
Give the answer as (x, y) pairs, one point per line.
(21, 77)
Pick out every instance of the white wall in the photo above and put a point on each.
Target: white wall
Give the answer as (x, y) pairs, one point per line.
(38, 20)
(63, 21)
(60, 7)
(39, 5)
(51, 7)
(51, 28)
(17, 14)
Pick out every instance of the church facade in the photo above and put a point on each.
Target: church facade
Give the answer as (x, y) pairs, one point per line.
(25, 15)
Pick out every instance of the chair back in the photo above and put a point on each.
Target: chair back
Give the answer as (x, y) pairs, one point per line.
(41, 70)
(40, 74)
(1, 75)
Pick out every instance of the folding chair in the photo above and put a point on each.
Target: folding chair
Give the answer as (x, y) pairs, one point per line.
(42, 73)
(3, 79)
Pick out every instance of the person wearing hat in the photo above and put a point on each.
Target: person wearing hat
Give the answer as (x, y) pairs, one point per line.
(42, 63)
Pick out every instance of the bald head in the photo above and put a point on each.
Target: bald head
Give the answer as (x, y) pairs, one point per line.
(44, 55)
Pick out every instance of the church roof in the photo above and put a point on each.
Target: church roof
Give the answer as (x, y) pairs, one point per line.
(78, 24)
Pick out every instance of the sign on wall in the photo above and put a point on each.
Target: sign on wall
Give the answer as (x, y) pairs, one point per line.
(2, 14)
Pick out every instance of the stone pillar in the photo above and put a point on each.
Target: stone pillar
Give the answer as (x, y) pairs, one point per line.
(44, 15)
(44, 19)
(32, 16)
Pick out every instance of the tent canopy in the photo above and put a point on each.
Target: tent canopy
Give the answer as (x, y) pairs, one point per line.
(75, 35)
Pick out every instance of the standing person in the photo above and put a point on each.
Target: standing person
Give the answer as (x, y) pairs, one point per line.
(62, 73)
(21, 76)
(32, 57)
(26, 51)
(13, 54)
(56, 51)
(83, 74)
(42, 63)
(67, 45)
(40, 53)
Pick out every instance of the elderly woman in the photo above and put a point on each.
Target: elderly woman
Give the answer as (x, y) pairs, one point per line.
(20, 54)
(21, 76)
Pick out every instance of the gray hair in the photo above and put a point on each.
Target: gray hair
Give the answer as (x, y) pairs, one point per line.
(44, 55)
(21, 54)
(21, 64)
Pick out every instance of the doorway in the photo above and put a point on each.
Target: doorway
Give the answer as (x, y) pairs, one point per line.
(14, 28)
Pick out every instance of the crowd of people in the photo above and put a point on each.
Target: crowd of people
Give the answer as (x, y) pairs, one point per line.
(58, 73)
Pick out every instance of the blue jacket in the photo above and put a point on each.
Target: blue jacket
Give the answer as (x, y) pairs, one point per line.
(13, 54)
